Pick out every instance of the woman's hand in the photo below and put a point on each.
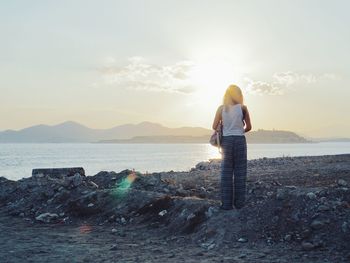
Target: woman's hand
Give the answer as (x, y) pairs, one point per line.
(247, 122)
(217, 118)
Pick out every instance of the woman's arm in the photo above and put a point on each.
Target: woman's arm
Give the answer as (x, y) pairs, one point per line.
(217, 118)
(248, 124)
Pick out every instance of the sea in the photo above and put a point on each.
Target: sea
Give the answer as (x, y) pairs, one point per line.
(18, 160)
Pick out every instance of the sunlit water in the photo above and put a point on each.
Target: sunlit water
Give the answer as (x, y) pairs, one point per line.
(18, 160)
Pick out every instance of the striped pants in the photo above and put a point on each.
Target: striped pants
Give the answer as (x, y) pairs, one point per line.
(234, 164)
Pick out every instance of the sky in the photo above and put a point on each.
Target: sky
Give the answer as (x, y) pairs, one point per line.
(107, 63)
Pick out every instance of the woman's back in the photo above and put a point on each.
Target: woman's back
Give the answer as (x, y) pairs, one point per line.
(232, 120)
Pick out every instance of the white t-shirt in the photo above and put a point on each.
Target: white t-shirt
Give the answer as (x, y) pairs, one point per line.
(232, 120)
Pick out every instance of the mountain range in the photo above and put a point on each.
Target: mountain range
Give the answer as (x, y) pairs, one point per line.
(144, 132)
(75, 132)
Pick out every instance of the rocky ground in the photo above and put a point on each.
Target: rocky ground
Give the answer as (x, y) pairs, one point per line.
(298, 210)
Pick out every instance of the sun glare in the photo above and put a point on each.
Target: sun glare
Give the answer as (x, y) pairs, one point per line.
(211, 79)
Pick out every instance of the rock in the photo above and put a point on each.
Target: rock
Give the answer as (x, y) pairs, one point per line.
(288, 237)
(211, 246)
(203, 166)
(114, 230)
(190, 216)
(163, 212)
(122, 220)
(92, 184)
(323, 199)
(281, 194)
(342, 182)
(46, 217)
(113, 247)
(77, 180)
(242, 240)
(182, 192)
(323, 208)
(311, 196)
(317, 224)
(307, 245)
(344, 227)
(211, 210)
(57, 172)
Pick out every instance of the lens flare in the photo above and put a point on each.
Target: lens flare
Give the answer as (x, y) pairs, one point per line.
(124, 185)
(85, 229)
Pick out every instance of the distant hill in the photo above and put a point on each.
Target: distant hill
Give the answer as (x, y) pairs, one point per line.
(260, 136)
(162, 139)
(274, 136)
(75, 132)
(144, 132)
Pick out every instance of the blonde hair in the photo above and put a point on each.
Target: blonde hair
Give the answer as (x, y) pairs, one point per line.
(233, 95)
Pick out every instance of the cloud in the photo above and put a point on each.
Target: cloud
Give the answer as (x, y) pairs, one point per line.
(282, 81)
(140, 75)
(186, 77)
(262, 88)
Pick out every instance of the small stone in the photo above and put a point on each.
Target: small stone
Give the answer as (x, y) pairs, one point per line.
(323, 199)
(21, 214)
(190, 216)
(163, 212)
(344, 227)
(211, 210)
(288, 237)
(342, 182)
(317, 224)
(93, 185)
(323, 208)
(243, 255)
(77, 180)
(123, 220)
(307, 245)
(113, 247)
(211, 246)
(311, 196)
(47, 217)
(242, 240)
(122, 234)
(91, 205)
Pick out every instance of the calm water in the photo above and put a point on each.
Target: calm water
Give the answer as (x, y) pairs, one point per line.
(18, 160)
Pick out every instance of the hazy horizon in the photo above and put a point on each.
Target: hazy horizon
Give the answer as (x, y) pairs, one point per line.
(116, 62)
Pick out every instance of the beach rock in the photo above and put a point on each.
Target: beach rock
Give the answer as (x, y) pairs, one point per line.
(57, 172)
(203, 166)
(323, 208)
(345, 227)
(77, 180)
(318, 224)
(288, 237)
(311, 195)
(163, 212)
(242, 240)
(47, 217)
(307, 245)
(342, 182)
(282, 194)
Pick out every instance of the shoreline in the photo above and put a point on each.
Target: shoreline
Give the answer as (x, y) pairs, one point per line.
(296, 207)
(194, 167)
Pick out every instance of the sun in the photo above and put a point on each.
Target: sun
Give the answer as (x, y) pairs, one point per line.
(210, 80)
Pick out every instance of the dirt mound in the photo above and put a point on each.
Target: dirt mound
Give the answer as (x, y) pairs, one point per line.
(302, 202)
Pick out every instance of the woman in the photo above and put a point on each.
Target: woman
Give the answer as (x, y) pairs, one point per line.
(235, 120)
